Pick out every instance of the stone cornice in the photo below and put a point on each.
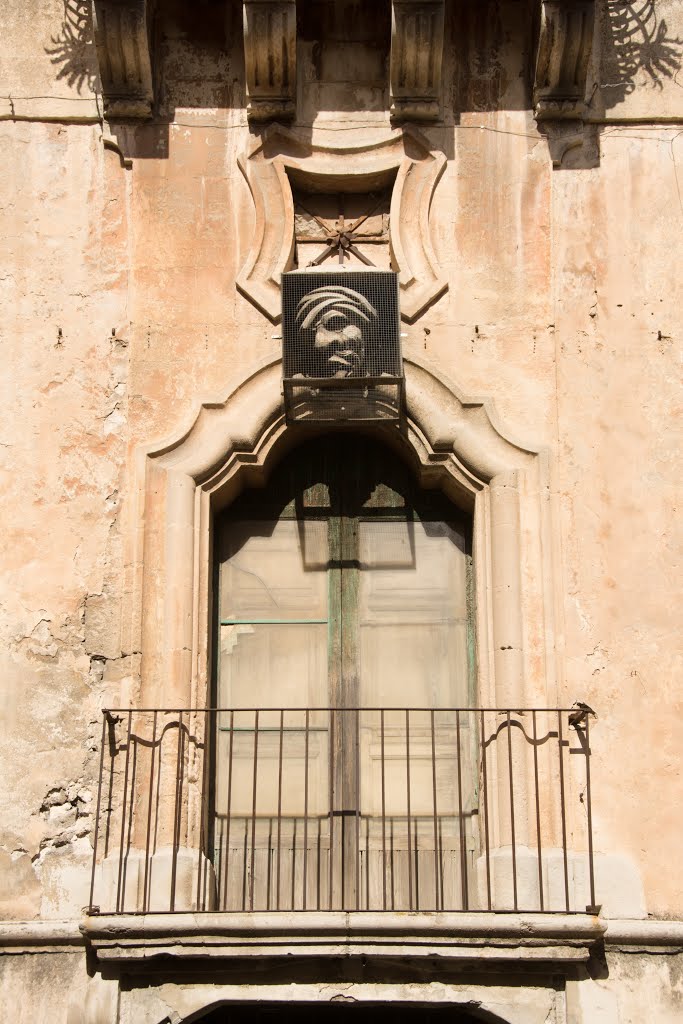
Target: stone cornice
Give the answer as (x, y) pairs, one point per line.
(58, 936)
(39, 936)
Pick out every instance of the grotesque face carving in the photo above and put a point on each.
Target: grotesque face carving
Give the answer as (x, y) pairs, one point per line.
(338, 316)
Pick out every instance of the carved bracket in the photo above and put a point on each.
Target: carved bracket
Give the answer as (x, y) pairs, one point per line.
(572, 145)
(564, 48)
(270, 58)
(403, 153)
(123, 53)
(415, 64)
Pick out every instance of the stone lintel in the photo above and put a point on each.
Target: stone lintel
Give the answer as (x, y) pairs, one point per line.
(496, 938)
(415, 65)
(564, 49)
(123, 54)
(270, 59)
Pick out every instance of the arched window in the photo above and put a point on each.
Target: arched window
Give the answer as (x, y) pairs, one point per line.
(343, 771)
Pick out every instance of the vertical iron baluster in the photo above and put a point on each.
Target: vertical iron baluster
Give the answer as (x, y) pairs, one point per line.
(145, 894)
(177, 825)
(461, 822)
(134, 744)
(157, 797)
(292, 899)
(111, 778)
(245, 864)
(560, 742)
(97, 811)
(305, 871)
(394, 871)
(511, 780)
(410, 850)
(319, 861)
(367, 862)
(436, 820)
(203, 852)
(539, 845)
(120, 897)
(384, 817)
(228, 814)
(219, 867)
(487, 842)
(589, 812)
(253, 814)
(330, 756)
(357, 713)
(269, 861)
(279, 811)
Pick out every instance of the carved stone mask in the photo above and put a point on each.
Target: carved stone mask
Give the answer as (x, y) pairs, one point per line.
(338, 316)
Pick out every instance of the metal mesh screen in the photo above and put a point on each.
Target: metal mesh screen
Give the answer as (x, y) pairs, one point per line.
(341, 345)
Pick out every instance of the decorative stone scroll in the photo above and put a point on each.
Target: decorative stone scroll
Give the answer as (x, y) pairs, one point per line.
(123, 53)
(270, 58)
(564, 49)
(415, 65)
(402, 156)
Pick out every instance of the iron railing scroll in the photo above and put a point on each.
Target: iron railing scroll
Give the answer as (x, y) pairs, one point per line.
(381, 809)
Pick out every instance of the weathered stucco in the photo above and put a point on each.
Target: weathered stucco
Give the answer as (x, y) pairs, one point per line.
(121, 316)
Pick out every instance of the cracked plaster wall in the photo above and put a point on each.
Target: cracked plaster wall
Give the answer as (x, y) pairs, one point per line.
(63, 294)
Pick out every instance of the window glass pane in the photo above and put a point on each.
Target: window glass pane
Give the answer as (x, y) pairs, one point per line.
(273, 665)
(274, 570)
(413, 614)
(273, 614)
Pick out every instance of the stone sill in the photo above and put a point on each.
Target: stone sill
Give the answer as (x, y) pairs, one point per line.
(536, 938)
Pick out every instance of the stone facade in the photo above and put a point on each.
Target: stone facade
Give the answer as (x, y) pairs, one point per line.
(153, 151)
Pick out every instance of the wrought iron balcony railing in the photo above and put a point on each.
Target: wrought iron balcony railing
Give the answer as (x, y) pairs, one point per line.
(299, 809)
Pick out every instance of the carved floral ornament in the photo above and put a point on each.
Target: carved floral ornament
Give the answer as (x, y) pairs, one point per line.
(402, 154)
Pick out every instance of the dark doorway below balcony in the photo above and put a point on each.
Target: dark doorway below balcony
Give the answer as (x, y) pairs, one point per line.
(338, 1013)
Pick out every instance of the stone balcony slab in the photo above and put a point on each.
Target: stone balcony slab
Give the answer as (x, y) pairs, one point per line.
(462, 937)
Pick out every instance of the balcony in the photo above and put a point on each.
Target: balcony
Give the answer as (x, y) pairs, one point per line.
(327, 810)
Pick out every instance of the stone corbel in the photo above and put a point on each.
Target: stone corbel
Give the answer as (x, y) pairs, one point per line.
(415, 64)
(564, 49)
(123, 54)
(270, 58)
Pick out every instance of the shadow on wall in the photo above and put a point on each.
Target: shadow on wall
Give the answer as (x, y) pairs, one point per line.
(636, 39)
(198, 60)
(72, 51)
(197, 63)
